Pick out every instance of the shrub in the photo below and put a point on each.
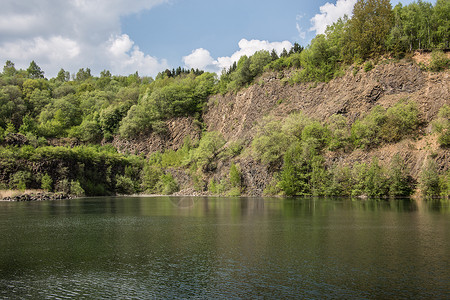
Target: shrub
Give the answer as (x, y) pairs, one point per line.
(150, 175)
(444, 184)
(399, 179)
(295, 175)
(270, 142)
(76, 189)
(63, 186)
(429, 179)
(368, 66)
(166, 184)
(46, 183)
(207, 150)
(340, 134)
(442, 126)
(439, 61)
(365, 132)
(235, 176)
(21, 179)
(401, 119)
(124, 185)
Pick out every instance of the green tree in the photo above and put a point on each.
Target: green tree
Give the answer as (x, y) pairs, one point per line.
(46, 182)
(235, 176)
(83, 75)
(429, 179)
(440, 34)
(369, 26)
(399, 178)
(63, 75)
(9, 69)
(34, 71)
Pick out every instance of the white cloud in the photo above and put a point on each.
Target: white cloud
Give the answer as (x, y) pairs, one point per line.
(198, 59)
(125, 58)
(301, 32)
(201, 58)
(73, 34)
(330, 13)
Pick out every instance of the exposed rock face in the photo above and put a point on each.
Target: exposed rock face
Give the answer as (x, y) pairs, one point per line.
(352, 95)
(177, 130)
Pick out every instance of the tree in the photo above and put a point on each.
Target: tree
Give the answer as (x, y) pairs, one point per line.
(63, 75)
(274, 55)
(297, 48)
(83, 75)
(371, 23)
(34, 71)
(441, 32)
(9, 69)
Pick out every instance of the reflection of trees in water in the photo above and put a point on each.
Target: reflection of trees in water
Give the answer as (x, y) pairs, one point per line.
(184, 202)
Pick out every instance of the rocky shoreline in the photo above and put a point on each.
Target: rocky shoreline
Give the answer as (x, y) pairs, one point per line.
(38, 197)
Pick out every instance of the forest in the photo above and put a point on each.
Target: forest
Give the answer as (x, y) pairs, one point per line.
(56, 134)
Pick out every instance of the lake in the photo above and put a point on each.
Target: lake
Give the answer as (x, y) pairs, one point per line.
(212, 247)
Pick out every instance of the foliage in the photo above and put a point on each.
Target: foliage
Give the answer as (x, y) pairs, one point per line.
(400, 180)
(46, 182)
(271, 141)
(207, 150)
(442, 126)
(439, 61)
(429, 179)
(385, 126)
(167, 98)
(124, 185)
(150, 175)
(340, 133)
(166, 184)
(20, 180)
(369, 27)
(76, 189)
(368, 66)
(235, 176)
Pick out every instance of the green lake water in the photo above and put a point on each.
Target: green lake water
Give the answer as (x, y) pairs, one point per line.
(224, 248)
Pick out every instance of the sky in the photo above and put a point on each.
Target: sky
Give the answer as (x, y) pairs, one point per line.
(149, 36)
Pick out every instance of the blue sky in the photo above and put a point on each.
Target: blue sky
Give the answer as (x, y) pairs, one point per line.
(148, 36)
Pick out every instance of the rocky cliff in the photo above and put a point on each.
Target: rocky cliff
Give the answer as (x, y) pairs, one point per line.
(236, 116)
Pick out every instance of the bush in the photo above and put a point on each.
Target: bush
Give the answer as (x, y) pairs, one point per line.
(63, 186)
(340, 133)
(401, 120)
(166, 184)
(271, 142)
(46, 183)
(442, 126)
(76, 189)
(429, 179)
(150, 175)
(235, 176)
(439, 61)
(399, 178)
(365, 132)
(21, 179)
(444, 184)
(295, 175)
(124, 185)
(368, 66)
(207, 150)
